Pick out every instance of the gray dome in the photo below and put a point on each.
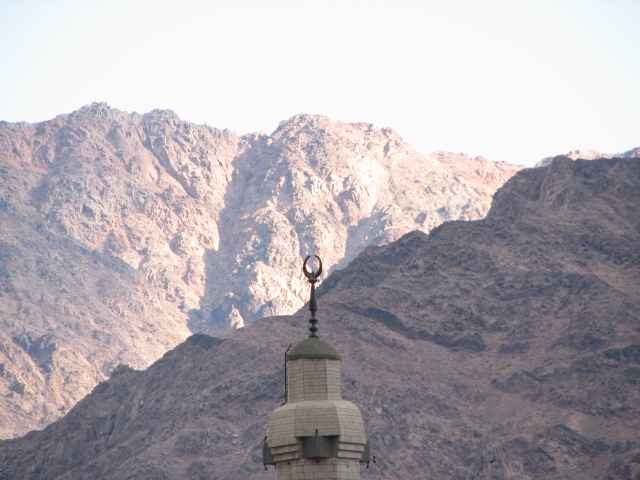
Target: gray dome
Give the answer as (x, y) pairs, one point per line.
(313, 348)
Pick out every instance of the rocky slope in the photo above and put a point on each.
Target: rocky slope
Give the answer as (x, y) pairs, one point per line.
(122, 233)
(505, 348)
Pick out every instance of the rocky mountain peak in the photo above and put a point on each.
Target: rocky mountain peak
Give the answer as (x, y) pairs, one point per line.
(98, 109)
(96, 112)
(322, 127)
(303, 120)
(163, 115)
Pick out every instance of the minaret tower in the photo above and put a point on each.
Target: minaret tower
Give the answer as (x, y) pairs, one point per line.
(315, 435)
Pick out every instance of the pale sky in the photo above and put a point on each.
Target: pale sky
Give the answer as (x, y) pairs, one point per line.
(511, 80)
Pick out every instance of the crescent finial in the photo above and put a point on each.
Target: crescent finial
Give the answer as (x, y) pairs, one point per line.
(312, 276)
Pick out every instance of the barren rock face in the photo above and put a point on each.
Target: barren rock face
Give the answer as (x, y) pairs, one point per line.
(504, 348)
(121, 233)
(320, 186)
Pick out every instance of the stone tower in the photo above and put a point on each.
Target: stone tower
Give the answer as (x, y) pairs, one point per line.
(315, 434)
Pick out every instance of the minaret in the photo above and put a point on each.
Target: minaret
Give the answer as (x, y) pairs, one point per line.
(315, 435)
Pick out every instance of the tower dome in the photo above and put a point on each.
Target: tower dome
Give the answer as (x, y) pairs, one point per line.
(313, 348)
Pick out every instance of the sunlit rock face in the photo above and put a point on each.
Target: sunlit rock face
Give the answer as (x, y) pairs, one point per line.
(122, 233)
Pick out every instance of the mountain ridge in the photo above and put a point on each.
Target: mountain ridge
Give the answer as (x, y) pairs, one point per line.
(206, 225)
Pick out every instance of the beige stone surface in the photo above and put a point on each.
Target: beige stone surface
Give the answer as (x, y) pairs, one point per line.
(314, 380)
(301, 418)
(315, 407)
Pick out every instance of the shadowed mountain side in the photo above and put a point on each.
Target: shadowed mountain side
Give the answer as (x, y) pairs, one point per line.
(506, 348)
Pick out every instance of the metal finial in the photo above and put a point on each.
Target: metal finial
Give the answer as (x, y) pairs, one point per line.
(312, 276)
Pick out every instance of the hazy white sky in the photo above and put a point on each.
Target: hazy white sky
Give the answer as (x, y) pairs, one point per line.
(511, 80)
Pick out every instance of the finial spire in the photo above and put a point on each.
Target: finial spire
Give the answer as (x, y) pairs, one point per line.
(312, 276)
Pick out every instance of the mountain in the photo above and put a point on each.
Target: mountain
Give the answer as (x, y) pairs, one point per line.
(587, 154)
(121, 234)
(504, 348)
